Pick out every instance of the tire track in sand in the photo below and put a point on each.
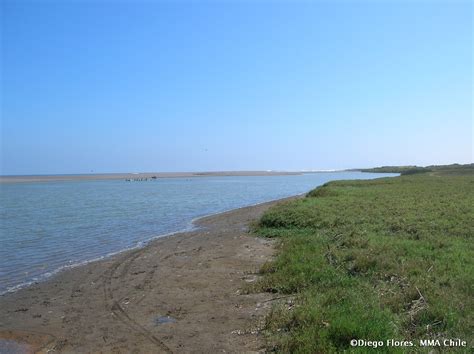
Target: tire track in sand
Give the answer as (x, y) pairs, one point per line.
(113, 304)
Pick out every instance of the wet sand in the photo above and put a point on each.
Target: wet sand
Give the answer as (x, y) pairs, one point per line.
(133, 176)
(181, 293)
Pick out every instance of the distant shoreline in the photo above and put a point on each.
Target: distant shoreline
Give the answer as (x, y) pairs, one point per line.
(149, 175)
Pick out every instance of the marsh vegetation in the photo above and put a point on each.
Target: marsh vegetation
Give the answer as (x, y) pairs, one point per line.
(374, 259)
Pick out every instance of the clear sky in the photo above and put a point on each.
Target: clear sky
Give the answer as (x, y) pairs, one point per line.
(115, 86)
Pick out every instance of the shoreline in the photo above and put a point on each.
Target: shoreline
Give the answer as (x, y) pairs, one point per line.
(142, 244)
(195, 268)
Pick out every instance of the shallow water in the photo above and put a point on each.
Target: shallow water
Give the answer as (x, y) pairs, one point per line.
(9, 346)
(46, 226)
(164, 320)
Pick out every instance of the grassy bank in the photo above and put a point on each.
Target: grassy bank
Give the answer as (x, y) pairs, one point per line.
(374, 260)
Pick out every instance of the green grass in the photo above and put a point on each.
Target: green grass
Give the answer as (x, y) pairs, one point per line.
(377, 259)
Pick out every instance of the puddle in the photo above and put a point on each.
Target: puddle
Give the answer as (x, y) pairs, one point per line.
(9, 346)
(163, 320)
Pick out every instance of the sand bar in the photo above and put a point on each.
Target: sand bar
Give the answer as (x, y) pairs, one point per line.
(132, 176)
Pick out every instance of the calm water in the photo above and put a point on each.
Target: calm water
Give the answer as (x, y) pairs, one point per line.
(51, 225)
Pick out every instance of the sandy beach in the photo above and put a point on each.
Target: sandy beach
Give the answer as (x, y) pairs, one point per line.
(181, 293)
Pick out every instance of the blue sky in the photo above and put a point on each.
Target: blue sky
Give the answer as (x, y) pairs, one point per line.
(110, 86)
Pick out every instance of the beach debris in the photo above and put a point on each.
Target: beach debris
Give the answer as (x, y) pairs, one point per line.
(241, 332)
(250, 278)
(417, 305)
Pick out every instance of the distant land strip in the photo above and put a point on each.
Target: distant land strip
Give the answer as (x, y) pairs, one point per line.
(137, 176)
